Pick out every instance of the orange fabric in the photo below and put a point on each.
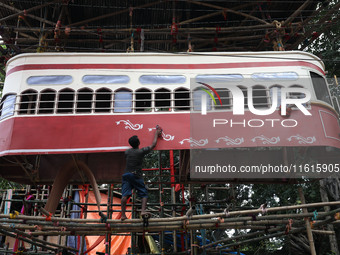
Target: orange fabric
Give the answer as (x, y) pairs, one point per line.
(119, 244)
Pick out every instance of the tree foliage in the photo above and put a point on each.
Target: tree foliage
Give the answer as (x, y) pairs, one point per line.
(327, 42)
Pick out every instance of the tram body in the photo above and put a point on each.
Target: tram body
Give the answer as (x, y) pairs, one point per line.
(57, 107)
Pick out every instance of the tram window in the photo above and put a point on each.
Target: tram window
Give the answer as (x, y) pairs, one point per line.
(320, 88)
(197, 99)
(245, 94)
(162, 79)
(282, 76)
(50, 79)
(260, 96)
(182, 99)
(296, 94)
(162, 100)
(225, 98)
(123, 101)
(28, 102)
(47, 101)
(219, 78)
(84, 100)
(143, 100)
(7, 106)
(278, 92)
(103, 100)
(66, 101)
(106, 79)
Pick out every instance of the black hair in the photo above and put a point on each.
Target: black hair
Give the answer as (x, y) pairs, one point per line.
(134, 141)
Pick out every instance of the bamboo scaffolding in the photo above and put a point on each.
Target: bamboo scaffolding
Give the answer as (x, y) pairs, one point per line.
(151, 31)
(308, 226)
(27, 240)
(28, 10)
(74, 228)
(28, 15)
(292, 231)
(265, 224)
(36, 240)
(115, 13)
(167, 220)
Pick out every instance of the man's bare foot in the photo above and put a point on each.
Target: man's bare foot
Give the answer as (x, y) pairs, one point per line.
(123, 217)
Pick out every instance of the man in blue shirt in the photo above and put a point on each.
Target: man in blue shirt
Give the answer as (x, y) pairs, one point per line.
(132, 177)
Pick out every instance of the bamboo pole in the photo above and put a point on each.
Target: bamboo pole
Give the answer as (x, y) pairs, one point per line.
(151, 31)
(323, 232)
(28, 15)
(28, 10)
(292, 231)
(332, 238)
(296, 13)
(170, 219)
(115, 13)
(318, 24)
(229, 10)
(29, 236)
(77, 228)
(308, 227)
(6, 233)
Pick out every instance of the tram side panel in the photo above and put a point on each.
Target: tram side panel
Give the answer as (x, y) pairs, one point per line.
(100, 139)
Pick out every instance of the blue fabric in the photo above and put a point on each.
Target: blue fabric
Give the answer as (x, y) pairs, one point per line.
(131, 181)
(72, 241)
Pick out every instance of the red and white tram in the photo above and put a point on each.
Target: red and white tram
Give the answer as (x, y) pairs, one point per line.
(87, 104)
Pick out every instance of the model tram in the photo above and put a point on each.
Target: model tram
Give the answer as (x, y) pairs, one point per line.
(88, 104)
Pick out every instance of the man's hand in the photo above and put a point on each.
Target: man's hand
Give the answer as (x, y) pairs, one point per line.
(158, 133)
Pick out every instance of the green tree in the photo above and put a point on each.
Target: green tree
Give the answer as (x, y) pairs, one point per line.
(327, 44)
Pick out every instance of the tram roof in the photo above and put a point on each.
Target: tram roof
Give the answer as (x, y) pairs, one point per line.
(160, 57)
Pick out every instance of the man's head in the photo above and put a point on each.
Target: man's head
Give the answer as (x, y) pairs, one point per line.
(134, 141)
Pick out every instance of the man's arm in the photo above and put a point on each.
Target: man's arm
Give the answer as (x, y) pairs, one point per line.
(154, 142)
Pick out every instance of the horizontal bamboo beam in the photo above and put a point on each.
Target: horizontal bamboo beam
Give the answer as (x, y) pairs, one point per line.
(323, 232)
(34, 239)
(170, 219)
(281, 233)
(59, 228)
(229, 10)
(105, 16)
(212, 30)
(28, 15)
(6, 233)
(127, 40)
(28, 10)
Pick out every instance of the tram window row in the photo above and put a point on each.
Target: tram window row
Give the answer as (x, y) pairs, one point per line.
(123, 100)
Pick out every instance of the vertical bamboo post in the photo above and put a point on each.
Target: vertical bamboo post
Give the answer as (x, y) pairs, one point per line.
(133, 216)
(332, 238)
(108, 215)
(183, 244)
(161, 235)
(173, 196)
(85, 216)
(308, 227)
(2, 205)
(69, 206)
(233, 194)
(191, 232)
(35, 210)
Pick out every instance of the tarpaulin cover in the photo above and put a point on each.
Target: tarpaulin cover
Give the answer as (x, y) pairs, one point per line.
(119, 244)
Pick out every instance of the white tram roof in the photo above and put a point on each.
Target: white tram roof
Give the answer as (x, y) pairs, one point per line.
(163, 58)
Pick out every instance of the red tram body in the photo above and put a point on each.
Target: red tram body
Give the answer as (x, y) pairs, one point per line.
(88, 105)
